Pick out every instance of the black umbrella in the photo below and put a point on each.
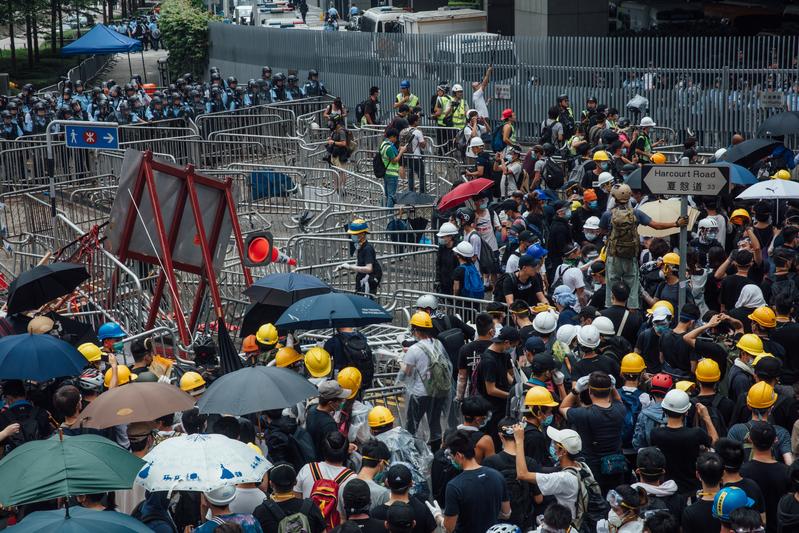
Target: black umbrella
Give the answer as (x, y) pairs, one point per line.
(39, 285)
(786, 123)
(258, 314)
(229, 358)
(285, 288)
(633, 179)
(413, 198)
(749, 152)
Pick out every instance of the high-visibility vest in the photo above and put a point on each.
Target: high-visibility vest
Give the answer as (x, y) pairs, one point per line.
(443, 101)
(459, 115)
(413, 100)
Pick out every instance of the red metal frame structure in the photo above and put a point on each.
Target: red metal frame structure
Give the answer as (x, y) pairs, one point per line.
(167, 241)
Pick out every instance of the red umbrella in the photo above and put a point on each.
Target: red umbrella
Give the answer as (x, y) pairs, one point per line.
(463, 192)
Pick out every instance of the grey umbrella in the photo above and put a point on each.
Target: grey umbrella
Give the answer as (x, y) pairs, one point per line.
(254, 389)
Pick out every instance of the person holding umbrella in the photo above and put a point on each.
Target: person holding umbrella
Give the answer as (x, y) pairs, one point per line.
(369, 272)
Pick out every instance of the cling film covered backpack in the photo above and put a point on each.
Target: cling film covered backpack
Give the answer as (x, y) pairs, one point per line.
(623, 239)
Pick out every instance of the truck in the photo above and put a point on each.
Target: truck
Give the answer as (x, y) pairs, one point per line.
(445, 21)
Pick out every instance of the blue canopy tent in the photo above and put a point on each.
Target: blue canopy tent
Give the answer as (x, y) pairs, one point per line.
(104, 40)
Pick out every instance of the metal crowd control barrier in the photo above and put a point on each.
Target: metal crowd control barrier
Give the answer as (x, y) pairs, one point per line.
(269, 124)
(27, 166)
(403, 304)
(202, 153)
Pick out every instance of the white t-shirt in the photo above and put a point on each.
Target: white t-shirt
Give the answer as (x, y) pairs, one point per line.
(246, 500)
(467, 131)
(507, 184)
(562, 485)
(418, 137)
(479, 101)
(484, 224)
(305, 481)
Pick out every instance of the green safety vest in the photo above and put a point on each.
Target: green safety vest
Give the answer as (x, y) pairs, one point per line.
(459, 116)
(512, 135)
(443, 101)
(647, 145)
(413, 100)
(392, 168)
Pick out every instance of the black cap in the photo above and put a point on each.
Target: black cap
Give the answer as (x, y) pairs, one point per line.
(283, 475)
(527, 260)
(400, 517)
(768, 367)
(508, 205)
(651, 460)
(591, 99)
(543, 362)
(526, 236)
(560, 204)
(535, 344)
(597, 267)
(398, 477)
(357, 496)
(495, 307)
(508, 333)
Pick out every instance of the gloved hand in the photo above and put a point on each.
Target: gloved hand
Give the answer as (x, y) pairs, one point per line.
(581, 385)
(435, 510)
(343, 266)
(558, 377)
(612, 380)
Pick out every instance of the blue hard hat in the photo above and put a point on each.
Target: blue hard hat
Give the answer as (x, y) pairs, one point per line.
(357, 226)
(536, 251)
(405, 84)
(729, 499)
(110, 330)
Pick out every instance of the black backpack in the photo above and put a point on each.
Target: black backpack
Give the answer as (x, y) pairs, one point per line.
(499, 287)
(519, 495)
(360, 111)
(546, 133)
(378, 166)
(715, 415)
(784, 288)
(356, 349)
(553, 174)
(452, 338)
(28, 426)
(486, 257)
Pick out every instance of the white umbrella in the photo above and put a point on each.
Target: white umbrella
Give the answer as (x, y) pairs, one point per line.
(771, 190)
(665, 211)
(200, 463)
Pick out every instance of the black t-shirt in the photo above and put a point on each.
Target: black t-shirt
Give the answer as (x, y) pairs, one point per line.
(475, 497)
(371, 109)
(648, 345)
(787, 335)
(600, 429)
(367, 256)
(585, 366)
(711, 350)
(469, 351)
(493, 368)
(731, 289)
(774, 481)
(520, 493)
(425, 523)
(788, 514)
(681, 446)
(536, 445)
(698, 518)
(319, 424)
(726, 407)
(367, 525)
(675, 351)
(598, 298)
(752, 490)
(269, 521)
(522, 290)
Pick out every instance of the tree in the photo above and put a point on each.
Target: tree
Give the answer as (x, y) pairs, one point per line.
(184, 30)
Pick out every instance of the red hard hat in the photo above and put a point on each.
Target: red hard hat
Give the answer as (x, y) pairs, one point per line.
(662, 383)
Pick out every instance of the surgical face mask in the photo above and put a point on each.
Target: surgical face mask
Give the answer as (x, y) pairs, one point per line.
(604, 165)
(510, 349)
(553, 453)
(614, 520)
(484, 422)
(354, 239)
(593, 204)
(379, 477)
(547, 421)
(119, 347)
(483, 204)
(567, 214)
(661, 329)
(591, 236)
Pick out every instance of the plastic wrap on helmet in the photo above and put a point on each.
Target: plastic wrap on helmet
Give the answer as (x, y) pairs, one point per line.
(413, 452)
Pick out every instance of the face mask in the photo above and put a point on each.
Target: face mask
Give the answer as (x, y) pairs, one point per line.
(661, 329)
(593, 204)
(604, 166)
(547, 421)
(119, 347)
(484, 423)
(567, 215)
(379, 477)
(591, 236)
(354, 239)
(614, 520)
(553, 453)
(483, 204)
(510, 349)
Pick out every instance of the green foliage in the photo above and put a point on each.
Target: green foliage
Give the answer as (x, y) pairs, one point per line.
(184, 31)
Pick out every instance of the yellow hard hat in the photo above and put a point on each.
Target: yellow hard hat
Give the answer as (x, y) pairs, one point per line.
(761, 395)
(420, 319)
(350, 378)
(539, 396)
(685, 385)
(380, 416)
(658, 158)
(254, 447)
(90, 351)
(601, 155)
(124, 375)
(318, 362)
(781, 175)
(287, 356)
(739, 213)
(764, 316)
(576, 205)
(267, 334)
(632, 363)
(193, 383)
(671, 259)
(661, 303)
(708, 371)
(751, 344)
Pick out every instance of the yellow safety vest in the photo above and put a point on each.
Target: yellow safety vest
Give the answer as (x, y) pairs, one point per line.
(443, 101)
(413, 100)
(459, 115)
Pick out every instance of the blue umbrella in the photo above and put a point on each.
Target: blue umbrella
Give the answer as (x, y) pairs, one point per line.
(738, 175)
(285, 288)
(38, 358)
(80, 520)
(333, 310)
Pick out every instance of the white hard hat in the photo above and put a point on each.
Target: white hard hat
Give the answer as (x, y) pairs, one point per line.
(591, 223)
(588, 336)
(604, 325)
(545, 322)
(676, 401)
(464, 249)
(476, 141)
(566, 333)
(605, 177)
(717, 155)
(457, 88)
(427, 301)
(647, 121)
(447, 229)
(708, 223)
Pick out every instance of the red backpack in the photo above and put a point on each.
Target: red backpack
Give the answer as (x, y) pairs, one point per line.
(324, 493)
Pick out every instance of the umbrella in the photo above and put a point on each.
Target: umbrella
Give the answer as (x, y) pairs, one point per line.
(38, 358)
(333, 310)
(633, 179)
(661, 210)
(749, 152)
(413, 198)
(266, 387)
(285, 288)
(200, 463)
(738, 175)
(65, 466)
(785, 123)
(463, 192)
(229, 359)
(771, 190)
(138, 402)
(41, 284)
(258, 314)
(80, 520)
(74, 331)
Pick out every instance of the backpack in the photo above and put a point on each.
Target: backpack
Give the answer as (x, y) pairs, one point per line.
(451, 338)
(360, 111)
(28, 427)
(461, 142)
(439, 382)
(356, 349)
(324, 493)
(499, 291)
(590, 506)
(497, 142)
(546, 133)
(557, 278)
(650, 423)
(472, 283)
(486, 257)
(293, 523)
(632, 406)
(568, 124)
(578, 172)
(553, 174)
(623, 240)
(378, 165)
(784, 288)
(519, 496)
(715, 415)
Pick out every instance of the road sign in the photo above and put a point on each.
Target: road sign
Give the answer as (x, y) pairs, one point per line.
(684, 180)
(100, 137)
(772, 99)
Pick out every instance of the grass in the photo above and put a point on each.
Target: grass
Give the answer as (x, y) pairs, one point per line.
(47, 71)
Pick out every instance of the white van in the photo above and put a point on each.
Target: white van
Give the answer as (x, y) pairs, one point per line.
(382, 20)
(445, 21)
(463, 58)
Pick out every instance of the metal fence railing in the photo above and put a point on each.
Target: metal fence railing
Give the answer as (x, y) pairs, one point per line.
(713, 85)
